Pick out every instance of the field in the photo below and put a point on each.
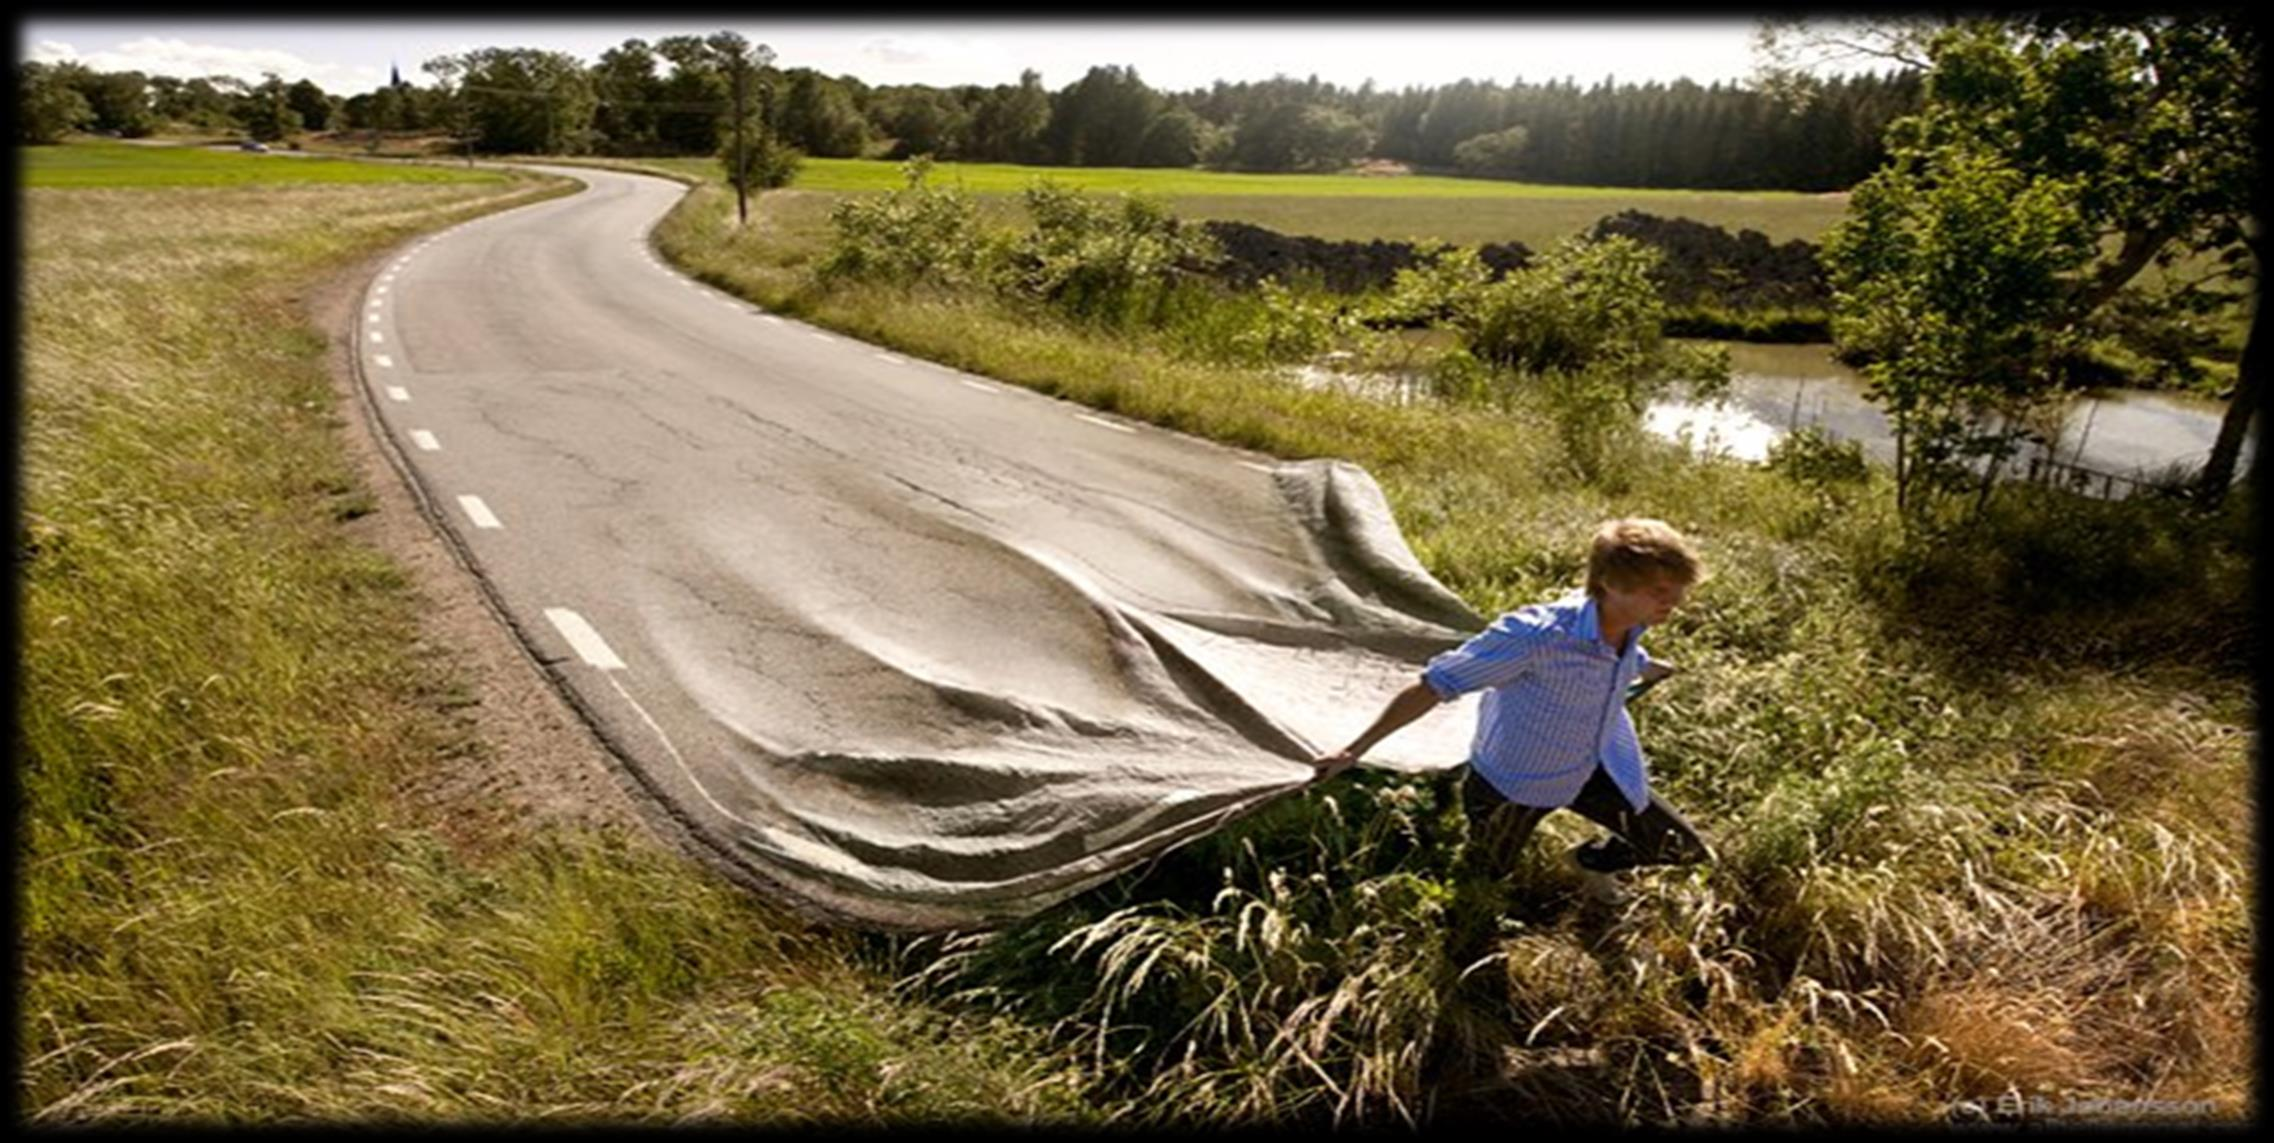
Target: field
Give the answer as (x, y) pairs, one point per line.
(94, 165)
(1346, 207)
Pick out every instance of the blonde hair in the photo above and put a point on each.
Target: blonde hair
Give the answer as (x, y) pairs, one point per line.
(1627, 551)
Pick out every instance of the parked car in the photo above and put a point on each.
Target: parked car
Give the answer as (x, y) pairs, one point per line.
(253, 145)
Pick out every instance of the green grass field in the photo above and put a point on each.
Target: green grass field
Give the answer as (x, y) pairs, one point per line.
(1347, 207)
(100, 164)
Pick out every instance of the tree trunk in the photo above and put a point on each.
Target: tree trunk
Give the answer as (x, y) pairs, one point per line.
(2219, 471)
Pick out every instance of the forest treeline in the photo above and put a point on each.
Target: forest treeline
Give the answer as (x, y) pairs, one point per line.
(674, 96)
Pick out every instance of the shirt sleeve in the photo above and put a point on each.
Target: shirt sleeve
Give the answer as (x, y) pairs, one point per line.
(1495, 657)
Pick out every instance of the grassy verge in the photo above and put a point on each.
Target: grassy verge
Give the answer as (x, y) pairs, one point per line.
(228, 909)
(1983, 813)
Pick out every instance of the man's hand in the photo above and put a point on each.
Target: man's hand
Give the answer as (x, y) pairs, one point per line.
(1329, 765)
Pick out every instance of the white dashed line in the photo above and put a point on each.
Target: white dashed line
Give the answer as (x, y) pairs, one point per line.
(398, 393)
(376, 337)
(385, 362)
(1104, 423)
(425, 440)
(981, 386)
(478, 512)
(382, 289)
(374, 318)
(587, 643)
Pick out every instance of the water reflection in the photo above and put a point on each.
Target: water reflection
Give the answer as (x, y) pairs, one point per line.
(1777, 388)
(2127, 432)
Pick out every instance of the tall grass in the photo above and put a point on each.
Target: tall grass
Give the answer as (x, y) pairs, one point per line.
(1953, 861)
(230, 910)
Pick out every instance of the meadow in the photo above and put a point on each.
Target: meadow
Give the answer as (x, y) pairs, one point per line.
(1345, 207)
(94, 165)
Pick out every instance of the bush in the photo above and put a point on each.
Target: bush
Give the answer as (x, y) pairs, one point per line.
(918, 234)
(1114, 262)
(1813, 458)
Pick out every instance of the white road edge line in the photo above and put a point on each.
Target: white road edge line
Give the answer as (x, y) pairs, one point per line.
(425, 440)
(730, 815)
(1105, 423)
(1257, 467)
(888, 359)
(587, 642)
(478, 512)
(981, 386)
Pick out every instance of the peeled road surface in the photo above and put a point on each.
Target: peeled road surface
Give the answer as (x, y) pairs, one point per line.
(900, 646)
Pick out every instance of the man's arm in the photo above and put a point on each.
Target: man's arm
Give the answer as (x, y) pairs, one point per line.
(1409, 704)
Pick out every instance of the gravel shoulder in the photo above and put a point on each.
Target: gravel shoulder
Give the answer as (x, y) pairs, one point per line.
(531, 762)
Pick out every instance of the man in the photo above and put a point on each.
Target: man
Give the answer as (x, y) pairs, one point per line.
(1552, 728)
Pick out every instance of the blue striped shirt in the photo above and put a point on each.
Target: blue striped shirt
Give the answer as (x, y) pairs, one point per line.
(1554, 702)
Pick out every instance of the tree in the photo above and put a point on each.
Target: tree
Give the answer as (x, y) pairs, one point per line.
(195, 102)
(310, 103)
(1495, 155)
(924, 122)
(687, 117)
(266, 111)
(120, 100)
(1464, 110)
(1177, 138)
(1949, 275)
(1100, 120)
(1297, 137)
(747, 145)
(47, 106)
(2150, 118)
(524, 100)
(1008, 122)
(627, 90)
(819, 118)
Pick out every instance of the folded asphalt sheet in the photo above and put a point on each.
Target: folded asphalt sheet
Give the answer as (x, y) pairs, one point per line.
(1085, 683)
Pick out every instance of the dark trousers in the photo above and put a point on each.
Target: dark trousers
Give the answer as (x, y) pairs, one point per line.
(1498, 828)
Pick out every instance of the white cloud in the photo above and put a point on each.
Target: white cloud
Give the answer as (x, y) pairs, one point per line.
(153, 55)
(892, 52)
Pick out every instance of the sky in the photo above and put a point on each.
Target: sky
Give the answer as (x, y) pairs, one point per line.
(347, 57)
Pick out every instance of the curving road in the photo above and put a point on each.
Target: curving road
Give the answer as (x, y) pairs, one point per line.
(904, 647)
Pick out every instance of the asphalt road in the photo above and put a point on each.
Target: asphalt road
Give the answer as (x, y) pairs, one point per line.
(903, 646)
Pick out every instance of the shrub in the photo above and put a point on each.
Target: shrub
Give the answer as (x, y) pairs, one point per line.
(1115, 262)
(918, 234)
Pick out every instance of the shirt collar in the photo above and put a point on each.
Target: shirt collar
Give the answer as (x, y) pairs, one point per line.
(1587, 623)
